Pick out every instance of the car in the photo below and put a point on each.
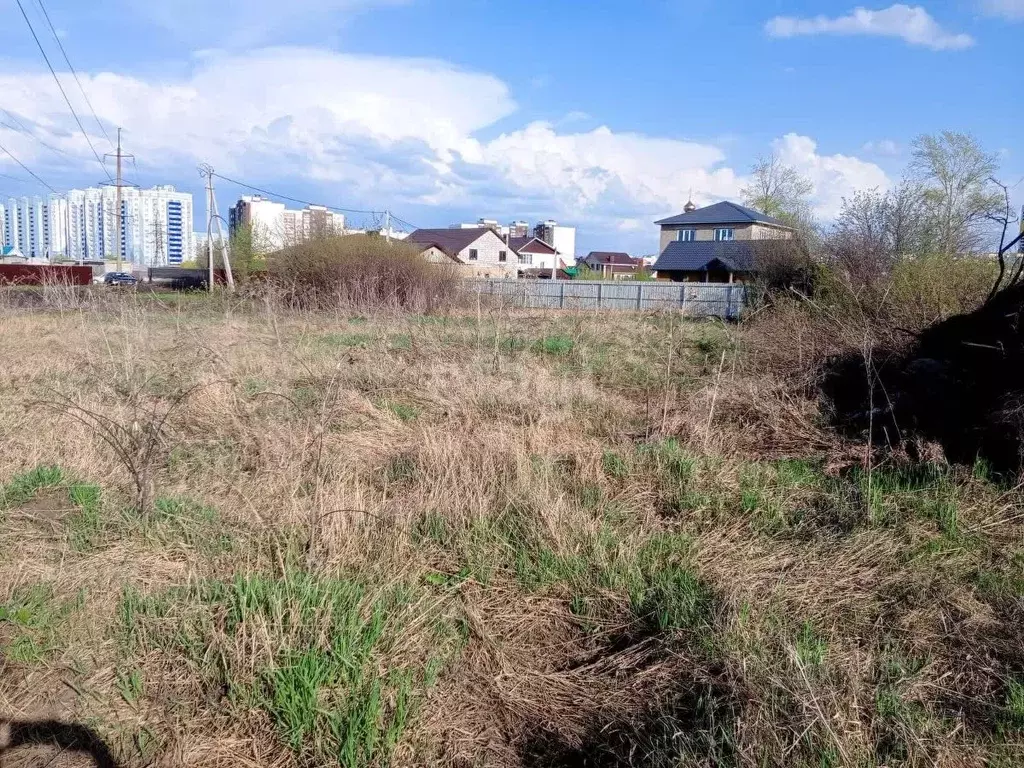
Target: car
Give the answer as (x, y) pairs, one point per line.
(119, 278)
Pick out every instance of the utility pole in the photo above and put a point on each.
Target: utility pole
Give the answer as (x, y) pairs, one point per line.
(158, 240)
(387, 226)
(206, 171)
(118, 184)
(120, 215)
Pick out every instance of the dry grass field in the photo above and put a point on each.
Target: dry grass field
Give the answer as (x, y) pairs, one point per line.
(238, 536)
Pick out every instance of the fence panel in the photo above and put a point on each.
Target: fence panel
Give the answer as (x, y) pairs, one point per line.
(694, 299)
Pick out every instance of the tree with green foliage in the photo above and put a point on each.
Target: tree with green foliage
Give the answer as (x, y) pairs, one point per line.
(780, 191)
(955, 174)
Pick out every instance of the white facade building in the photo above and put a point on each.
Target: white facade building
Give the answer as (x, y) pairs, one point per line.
(157, 225)
(82, 225)
(274, 226)
(562, 239)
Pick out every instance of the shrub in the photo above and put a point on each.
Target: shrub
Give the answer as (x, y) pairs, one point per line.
(360, 271)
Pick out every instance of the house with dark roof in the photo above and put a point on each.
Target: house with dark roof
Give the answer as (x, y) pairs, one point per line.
(533, 253)
(476, 252)
(714, 244)
(612, 265)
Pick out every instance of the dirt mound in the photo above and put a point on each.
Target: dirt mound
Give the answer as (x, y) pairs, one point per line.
(959, 385)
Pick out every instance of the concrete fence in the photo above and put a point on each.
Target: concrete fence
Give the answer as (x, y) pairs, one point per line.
(695, 299)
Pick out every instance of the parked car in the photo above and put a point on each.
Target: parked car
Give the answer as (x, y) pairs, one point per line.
(119, 278)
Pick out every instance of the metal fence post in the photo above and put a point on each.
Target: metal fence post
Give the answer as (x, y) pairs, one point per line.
(561, 294)
(639, 296)
(598, 296)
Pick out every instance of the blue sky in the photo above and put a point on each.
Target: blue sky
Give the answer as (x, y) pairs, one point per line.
(604, 115)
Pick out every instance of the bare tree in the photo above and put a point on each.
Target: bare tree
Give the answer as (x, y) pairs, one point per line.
(955, 174)
(779, 190)
(876, 229)
(1005, 217)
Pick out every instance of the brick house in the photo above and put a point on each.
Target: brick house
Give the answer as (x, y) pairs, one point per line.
(475, 252)
(714, 244)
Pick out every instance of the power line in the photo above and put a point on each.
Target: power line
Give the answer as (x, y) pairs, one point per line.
(60, 45)
(27, 132)
(27, 169)
(403, 222)
(294, 199)
(61, 87)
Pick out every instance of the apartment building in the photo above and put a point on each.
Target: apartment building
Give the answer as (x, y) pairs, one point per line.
(82, 225)
(274, 226)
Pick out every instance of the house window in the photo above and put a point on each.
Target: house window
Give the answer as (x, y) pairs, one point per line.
(473, 254)
(725, 233)
(502, 255)
(687, 235)
(526, 258)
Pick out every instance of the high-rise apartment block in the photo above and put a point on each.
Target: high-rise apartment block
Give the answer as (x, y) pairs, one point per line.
(82, 225)
(274, 227)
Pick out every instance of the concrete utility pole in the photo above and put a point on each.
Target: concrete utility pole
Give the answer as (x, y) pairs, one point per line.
(206, 171)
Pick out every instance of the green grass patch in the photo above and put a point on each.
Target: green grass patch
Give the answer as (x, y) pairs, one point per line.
(403, 411)
(25, 486)
(130, 684)
(811, 648)
(614, 465)
(35, 619)
(344, 340)
(1013, 708)
(400, 341)
(554, 345)
(320, 677)
(84, 526)
(610, 571)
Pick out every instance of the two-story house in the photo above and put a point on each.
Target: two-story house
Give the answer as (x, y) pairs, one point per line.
(612, 265)
(476, 252)
(714, 244)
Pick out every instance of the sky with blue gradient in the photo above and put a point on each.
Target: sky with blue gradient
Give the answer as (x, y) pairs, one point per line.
(603, 115)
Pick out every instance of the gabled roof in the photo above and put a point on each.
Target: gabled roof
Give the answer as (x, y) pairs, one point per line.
(615, 258)
(529, 245)
(696, 255)
(722, 213)
(451, 241)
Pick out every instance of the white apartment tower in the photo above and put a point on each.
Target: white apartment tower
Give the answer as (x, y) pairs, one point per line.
(157, 225)
(82, 225)
(275, 227)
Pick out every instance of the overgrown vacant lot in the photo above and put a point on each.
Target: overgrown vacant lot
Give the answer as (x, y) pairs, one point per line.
(236, 537)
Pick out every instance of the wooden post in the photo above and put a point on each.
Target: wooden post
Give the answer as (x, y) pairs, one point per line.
(598, 295)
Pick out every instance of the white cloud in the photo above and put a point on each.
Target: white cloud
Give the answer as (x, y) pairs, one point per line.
(912, 24)
(882, 148)
(398, 133)
(833, 176)
(1006, 9)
